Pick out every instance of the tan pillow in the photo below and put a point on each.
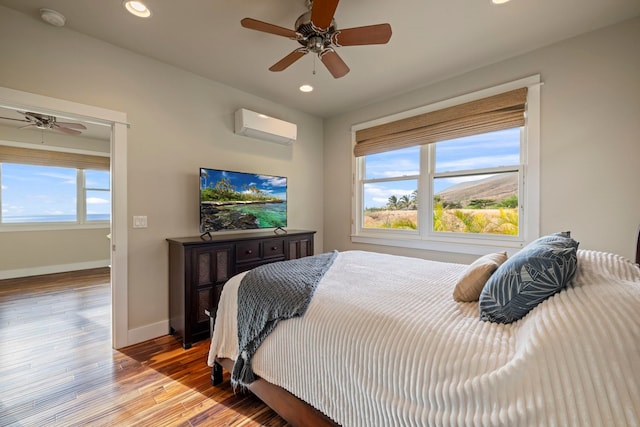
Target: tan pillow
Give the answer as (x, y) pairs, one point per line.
(472, 281)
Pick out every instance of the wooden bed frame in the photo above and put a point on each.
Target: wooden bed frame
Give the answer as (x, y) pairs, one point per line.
(296, 411)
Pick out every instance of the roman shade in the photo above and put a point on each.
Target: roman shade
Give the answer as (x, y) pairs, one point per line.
(497, 112)
(31, 156)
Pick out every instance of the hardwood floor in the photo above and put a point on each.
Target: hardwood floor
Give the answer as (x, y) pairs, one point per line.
(57, 366)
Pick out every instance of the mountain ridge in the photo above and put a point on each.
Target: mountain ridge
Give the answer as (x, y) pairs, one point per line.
(497, 188)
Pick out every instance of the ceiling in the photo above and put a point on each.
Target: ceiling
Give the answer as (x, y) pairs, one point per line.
(432, 40)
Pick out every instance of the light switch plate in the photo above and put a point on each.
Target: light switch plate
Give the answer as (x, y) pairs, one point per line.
(140, 222)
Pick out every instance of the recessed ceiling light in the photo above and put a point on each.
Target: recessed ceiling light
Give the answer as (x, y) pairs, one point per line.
(137, 8)
(306, 88)
(499, 1)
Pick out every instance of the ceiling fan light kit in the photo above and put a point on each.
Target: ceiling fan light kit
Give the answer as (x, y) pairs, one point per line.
(317, 32)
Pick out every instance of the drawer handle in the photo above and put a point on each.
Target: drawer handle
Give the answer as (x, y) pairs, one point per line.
(249, 252)
(274, 248)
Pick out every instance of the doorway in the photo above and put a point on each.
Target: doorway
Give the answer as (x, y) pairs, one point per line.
(117, 122)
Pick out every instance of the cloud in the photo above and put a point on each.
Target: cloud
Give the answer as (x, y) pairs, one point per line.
(380, 195)
(96, 201)
(397, 173)
(66, 178)
(479, 162)
(273, 181)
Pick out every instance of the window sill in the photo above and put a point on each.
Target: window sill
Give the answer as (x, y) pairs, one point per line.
(52, 227)
(460, 245)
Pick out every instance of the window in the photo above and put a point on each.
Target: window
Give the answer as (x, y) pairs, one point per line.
(97, 195)
(457, 176)
(390, 189)
(475, 184)
(50, 188)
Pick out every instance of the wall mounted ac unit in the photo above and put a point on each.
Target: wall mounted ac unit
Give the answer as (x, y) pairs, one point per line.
(256, 125)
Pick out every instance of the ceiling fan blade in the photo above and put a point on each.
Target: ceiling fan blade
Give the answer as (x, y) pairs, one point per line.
(15, 120)
(71, 125)
(65, 129)
(289, 59)
(322, 12)
(370, 34)
(334, 63)
(265, 27)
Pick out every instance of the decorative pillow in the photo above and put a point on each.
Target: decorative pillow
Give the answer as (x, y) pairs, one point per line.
(533, 274)
(476, 275)
(562, 238)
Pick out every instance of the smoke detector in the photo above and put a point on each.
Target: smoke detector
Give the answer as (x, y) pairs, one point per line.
(52, 17)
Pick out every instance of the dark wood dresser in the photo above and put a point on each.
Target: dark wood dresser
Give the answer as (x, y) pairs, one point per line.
(199, 268)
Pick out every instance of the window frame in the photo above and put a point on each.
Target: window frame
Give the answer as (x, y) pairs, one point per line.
(467, 243)
(81, 221)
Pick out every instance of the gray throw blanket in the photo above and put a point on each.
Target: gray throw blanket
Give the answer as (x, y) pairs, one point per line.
(268, 294)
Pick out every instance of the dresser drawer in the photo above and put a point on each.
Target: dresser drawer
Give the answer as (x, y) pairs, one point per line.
(273, 248)
(248, 251)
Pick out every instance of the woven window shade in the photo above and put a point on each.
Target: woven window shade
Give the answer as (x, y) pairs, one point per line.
(502, 111)
(30, 156)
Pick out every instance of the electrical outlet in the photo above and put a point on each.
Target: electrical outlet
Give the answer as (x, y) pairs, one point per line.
(140, 222)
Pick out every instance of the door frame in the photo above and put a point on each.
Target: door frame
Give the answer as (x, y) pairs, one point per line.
(26, 101)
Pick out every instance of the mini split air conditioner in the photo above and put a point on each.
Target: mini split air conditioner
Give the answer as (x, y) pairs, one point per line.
(259, 126)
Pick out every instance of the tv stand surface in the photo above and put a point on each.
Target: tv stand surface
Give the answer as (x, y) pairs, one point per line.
(199, 268)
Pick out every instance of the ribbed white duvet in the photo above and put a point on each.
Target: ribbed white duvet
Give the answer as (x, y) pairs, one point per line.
(384, 344)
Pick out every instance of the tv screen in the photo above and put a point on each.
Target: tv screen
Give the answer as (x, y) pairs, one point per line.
(241, 201)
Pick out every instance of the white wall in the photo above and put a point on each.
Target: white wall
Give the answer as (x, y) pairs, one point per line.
(179, 122)
(590, 152)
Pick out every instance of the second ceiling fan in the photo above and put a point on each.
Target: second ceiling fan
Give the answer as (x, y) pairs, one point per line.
(317, 32)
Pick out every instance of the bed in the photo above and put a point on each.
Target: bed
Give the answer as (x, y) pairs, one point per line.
(383, 342)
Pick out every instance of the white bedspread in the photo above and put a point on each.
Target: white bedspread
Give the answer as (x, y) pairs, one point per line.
(384, 344)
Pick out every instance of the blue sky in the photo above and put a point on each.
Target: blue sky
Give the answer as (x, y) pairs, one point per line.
(29, 190)
(493, 149)
(272, 185)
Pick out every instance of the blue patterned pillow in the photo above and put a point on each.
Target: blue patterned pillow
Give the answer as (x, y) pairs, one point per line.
(536, 272)
(562, 238)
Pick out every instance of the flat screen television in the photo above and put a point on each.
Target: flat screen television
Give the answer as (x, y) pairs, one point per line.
(232, 200)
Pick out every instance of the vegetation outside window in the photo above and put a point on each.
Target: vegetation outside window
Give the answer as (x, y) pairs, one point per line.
(451, 178)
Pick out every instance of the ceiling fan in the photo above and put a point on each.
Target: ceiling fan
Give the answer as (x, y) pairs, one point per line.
(317, 32)
(42, 121)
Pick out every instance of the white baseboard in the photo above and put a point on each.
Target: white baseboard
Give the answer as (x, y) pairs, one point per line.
(50, 269)
(147, 332)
